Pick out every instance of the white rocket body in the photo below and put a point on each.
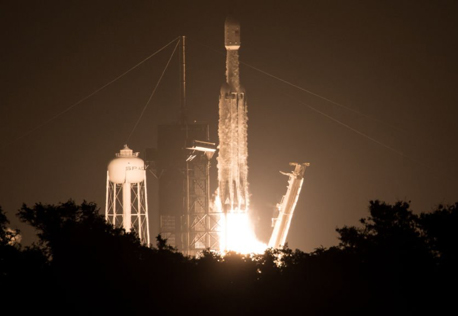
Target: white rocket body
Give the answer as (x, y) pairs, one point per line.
(232, 129)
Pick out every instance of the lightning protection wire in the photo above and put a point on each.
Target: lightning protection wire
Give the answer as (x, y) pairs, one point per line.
(91, 94)
(448, 176)
(305, 90)
(152, 93)
(371, 138)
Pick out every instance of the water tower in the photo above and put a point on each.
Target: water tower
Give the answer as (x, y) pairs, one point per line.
(126, 200)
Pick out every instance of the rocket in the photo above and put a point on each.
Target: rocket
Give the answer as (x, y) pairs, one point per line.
(232, 129)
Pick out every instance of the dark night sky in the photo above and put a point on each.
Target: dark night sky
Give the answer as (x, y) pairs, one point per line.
(392, 62)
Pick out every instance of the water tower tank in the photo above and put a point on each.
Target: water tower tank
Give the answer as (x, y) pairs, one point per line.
(126, 167)
(126, 198)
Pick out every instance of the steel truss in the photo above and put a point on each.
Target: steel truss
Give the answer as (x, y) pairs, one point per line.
(139, 205)
(198, 227)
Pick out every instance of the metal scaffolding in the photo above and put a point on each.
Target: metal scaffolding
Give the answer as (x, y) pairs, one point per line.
(187, 219)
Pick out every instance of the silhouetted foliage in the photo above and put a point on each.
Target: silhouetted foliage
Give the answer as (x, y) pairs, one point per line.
(7, 236)
(394, 262)
(440, 230)
(23, 272)
(396, 254)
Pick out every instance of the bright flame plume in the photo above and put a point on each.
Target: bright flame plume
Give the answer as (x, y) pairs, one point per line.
(237, 232)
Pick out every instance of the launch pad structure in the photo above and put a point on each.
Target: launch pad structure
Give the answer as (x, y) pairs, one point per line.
(287, 205)
(192, 223)
(189, 218)
(182, 165)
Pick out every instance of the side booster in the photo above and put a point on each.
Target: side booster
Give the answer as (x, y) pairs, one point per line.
(232, 129)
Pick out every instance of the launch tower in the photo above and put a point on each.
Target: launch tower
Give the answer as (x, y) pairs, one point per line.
(287, 205)
(182, 163)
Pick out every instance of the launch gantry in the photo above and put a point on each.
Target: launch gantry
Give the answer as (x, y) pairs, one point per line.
(287, 205)
(183, 159)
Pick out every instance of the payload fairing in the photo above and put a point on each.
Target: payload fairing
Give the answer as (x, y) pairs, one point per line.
(232, 129)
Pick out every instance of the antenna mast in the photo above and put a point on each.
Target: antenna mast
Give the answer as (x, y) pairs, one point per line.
(183, 112)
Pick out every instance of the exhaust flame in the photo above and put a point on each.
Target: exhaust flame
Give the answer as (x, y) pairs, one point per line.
(237, 232)
(239, 235)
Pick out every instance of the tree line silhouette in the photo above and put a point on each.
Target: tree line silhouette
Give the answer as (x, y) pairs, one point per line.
(394, 262)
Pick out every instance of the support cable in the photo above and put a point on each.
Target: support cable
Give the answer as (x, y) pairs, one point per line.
(306, 91)
(370, 138)
(448, 176)
(320, 96)
(90, 95)
(152, 93)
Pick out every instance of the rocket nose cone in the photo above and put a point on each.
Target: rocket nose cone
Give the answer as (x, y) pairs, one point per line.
(231, 33)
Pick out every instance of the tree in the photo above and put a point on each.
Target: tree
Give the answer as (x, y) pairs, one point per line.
(390, 230)
(393, 253)
(91, 261)
(440, 231)
(21, 271)
(81, 265)
(8, 236)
